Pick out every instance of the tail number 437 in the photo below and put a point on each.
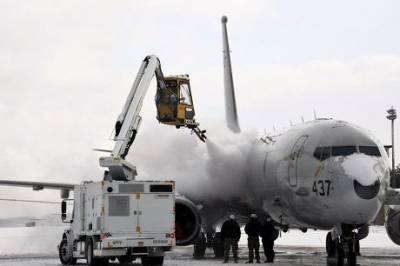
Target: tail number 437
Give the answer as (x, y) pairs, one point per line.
(322, 187)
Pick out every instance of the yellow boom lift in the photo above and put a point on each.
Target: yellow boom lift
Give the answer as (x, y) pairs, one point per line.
(174, 103)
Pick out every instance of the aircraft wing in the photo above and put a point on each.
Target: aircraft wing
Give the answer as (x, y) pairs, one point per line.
(64, 188)
(37, 185)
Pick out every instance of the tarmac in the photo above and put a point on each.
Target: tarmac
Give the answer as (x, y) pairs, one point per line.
(285, 255)
(35, 246)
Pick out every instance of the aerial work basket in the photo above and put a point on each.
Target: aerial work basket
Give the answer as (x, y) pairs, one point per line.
(175, 105)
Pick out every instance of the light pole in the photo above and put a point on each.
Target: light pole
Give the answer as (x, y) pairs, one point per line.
(392, 115)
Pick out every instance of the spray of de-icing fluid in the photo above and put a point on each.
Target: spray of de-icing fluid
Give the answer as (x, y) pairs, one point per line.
(215, 170)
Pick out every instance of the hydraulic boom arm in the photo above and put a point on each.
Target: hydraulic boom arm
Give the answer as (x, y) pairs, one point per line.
(128, 122)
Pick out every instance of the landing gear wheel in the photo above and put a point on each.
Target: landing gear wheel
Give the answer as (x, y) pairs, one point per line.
(200, 247)
(352, 255)
(152, 261)
(65, 254)
(339, 256)
(330, 245)
(218, 246)
(352, 259)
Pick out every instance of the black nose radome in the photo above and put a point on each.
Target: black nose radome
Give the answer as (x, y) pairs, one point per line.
(367, 192)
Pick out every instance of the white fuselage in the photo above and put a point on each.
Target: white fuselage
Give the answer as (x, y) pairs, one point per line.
(318, 175)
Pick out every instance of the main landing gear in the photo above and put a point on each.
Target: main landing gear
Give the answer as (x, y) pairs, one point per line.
(212, 240)
(342, 244)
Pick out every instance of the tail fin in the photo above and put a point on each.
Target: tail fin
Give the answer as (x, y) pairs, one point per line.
(230, 102)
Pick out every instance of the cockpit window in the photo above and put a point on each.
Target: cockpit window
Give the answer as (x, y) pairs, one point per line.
(343, 150)
(370, 150)
(322, 153)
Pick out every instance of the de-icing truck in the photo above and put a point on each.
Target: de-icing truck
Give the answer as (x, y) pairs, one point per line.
(121, 220)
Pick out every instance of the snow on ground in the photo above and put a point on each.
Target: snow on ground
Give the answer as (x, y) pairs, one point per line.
(30, 240)
(37, 246)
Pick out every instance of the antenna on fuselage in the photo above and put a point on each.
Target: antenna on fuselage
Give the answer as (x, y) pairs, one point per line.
(315, 115)
(302, 119)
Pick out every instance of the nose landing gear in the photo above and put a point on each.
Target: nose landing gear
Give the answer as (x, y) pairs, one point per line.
(343, 246)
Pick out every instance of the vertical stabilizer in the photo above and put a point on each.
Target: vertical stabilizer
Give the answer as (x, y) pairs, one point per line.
(230, 101)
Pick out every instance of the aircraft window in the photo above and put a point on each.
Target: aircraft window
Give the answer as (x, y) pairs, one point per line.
(322, 153)
(343, 150)
(370, 150)
(317, 153)
(326, 153)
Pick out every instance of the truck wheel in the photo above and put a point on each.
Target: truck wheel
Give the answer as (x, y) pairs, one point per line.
(65, 255)
(152, 261)
(123, 260)
(101, 262)
(89, 253)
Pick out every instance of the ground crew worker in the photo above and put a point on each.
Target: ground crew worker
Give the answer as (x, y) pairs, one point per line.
(173, 103)
(268, 234)
(230, 235)
(253, 243)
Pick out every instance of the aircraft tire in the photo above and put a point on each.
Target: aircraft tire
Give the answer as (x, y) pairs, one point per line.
(330, 245)
(352, 259)
(339, 256)
(218, 246)
(199, 247)
(352, 256)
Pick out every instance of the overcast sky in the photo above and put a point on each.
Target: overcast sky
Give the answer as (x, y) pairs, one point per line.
(67, 67)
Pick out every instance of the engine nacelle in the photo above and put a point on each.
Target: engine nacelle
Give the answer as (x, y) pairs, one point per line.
(392, 225)
(187, 221)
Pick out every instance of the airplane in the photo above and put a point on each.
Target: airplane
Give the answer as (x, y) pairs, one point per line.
(323, 174)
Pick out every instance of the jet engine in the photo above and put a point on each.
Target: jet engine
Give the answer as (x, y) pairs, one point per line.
(187, 221)
(392, 225)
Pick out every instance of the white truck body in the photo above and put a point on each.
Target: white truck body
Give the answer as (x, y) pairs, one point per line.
(123, 218)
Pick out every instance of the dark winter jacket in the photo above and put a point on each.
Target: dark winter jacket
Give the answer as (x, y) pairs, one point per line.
(252, 228)
(268, 232)
(230, 229)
